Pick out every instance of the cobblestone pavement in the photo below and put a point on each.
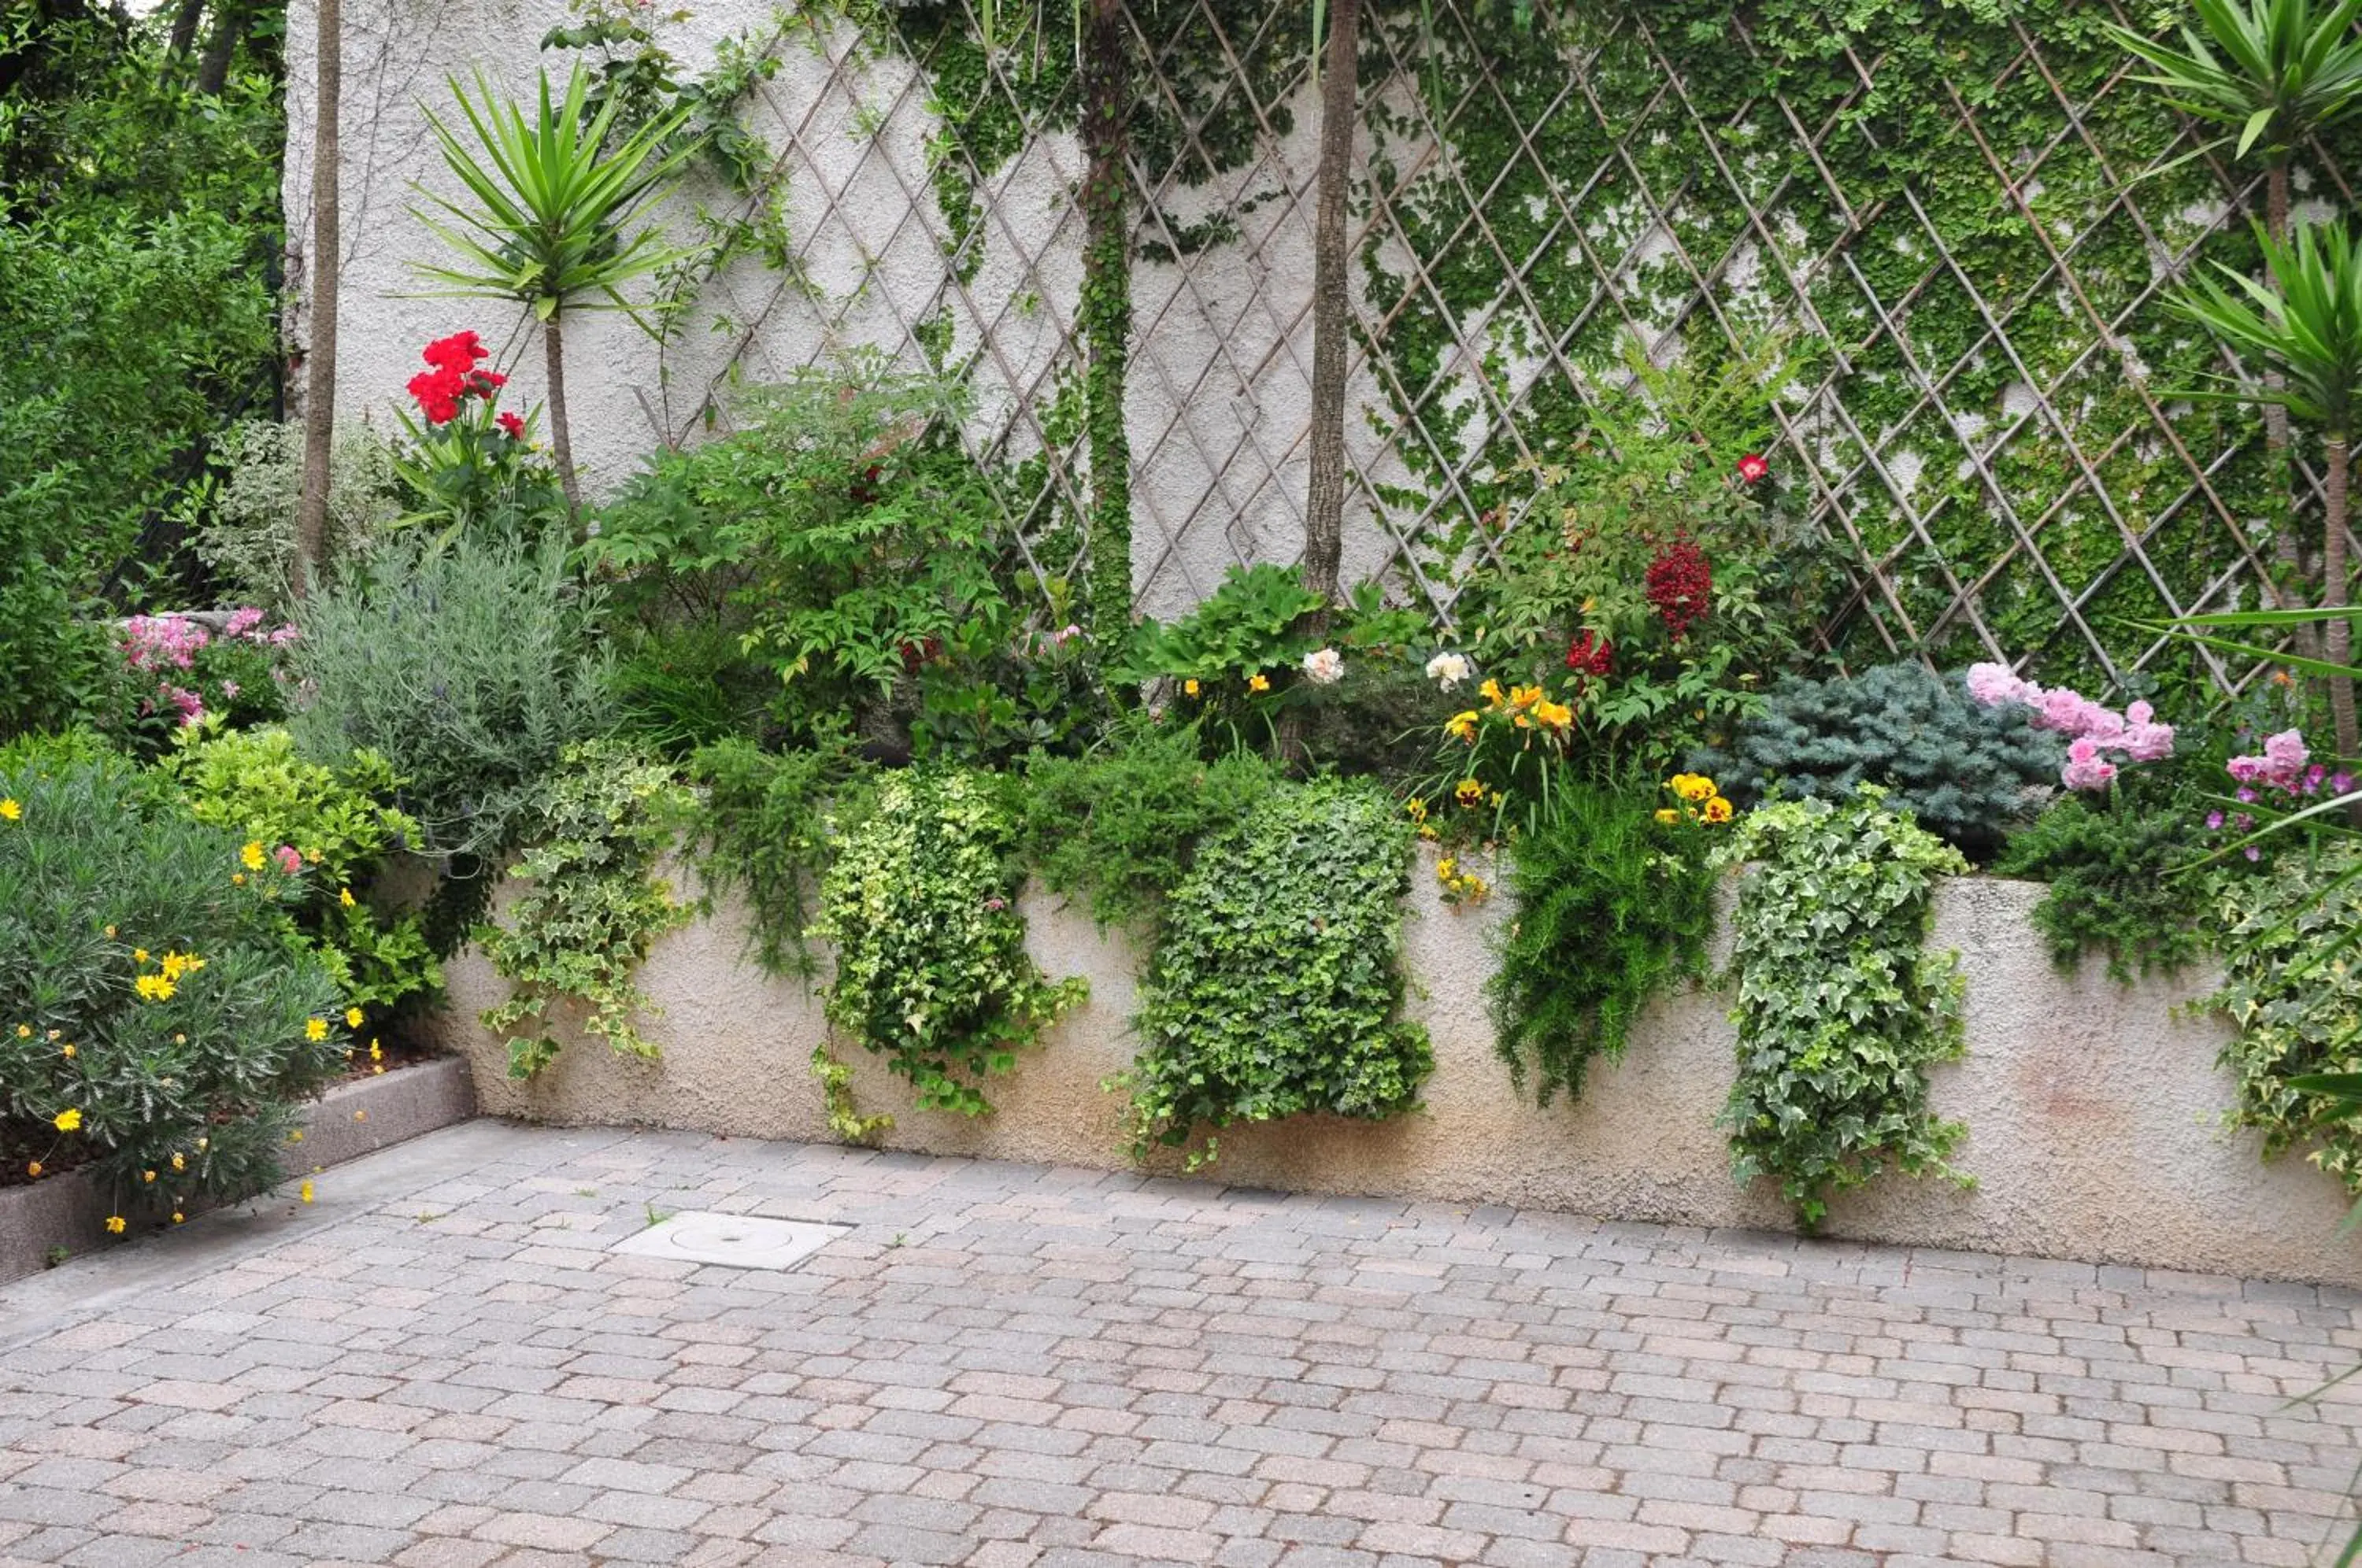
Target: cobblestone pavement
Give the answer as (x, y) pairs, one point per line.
(1010, 1365)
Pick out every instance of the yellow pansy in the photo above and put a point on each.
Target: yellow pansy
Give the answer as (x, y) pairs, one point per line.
(1667, 814)
(1468, 793)
(1717, 810)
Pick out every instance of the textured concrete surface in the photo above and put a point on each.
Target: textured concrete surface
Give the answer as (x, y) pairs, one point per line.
(1020, 1366)
(2092, 1109)
(352, 1120)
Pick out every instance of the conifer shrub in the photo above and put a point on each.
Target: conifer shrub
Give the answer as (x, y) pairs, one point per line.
(1965, 772)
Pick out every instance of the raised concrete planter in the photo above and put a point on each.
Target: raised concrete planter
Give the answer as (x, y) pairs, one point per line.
(352, 1120)
(2092, 1108)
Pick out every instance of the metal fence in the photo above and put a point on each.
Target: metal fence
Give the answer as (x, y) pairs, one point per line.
(1956, 238)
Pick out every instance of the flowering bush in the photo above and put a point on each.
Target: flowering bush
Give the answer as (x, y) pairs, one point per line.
(466, 459)
(154, 1024)
(178, 672)
(2281, 778)
(2100, 740)
(1495, 765)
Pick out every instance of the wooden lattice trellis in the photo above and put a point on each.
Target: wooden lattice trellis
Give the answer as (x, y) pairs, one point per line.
(2026, 488)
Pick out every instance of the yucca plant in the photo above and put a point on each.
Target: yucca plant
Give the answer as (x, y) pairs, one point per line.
(2305, 332)
(551, 204)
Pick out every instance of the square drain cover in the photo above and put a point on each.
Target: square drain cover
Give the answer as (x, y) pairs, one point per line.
(734, 1241)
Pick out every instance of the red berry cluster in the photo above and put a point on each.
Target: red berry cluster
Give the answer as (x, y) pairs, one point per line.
(1680, 586)
(454, 377)
(1590, 655)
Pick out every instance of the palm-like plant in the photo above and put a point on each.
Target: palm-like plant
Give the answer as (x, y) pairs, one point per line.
(2305, 331)
(551, 206)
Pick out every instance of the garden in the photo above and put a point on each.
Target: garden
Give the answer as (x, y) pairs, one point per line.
(440, 712)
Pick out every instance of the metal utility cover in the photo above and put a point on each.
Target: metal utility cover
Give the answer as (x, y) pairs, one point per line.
(733, 1241)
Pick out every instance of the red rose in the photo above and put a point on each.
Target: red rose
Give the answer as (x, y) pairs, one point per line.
(457, 353)
(1753, 467)
(438, 392)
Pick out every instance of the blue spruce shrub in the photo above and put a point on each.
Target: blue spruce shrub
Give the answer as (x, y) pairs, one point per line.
(1967, 773)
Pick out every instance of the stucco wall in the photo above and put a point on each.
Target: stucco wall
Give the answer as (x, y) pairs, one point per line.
(2092, 1108)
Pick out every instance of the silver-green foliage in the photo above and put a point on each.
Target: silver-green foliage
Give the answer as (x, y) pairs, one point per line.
(468, 665)
(1277, 985)
(2292, 986)
(247, 539)
(1965, 771)
(1840, 1007)
(932, 971)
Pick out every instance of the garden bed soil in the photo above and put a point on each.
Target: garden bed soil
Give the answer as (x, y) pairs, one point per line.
(43, 1221)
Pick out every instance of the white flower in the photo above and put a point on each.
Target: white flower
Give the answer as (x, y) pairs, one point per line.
(1449, 669)
(1325, 668)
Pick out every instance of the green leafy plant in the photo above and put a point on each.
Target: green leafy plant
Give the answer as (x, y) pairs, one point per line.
(1122, 825)
(2123, 877)
(920, 903)
(469, 665)
(1840, 1007)
(552, 203)
(2290, 989)
(154, 1024)
(1967, 772)
(341, 824)
(1276, 988)
(246, 535)
(761, 833)
(591, 904)
(1613, 904)
(2306, 331)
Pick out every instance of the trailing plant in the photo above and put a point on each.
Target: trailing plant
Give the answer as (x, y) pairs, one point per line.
(2292, 990)
(154, 1024)
(760, 833)
(1276, 988)
(1121, 826)
(2125, 876)
(1967, 772)
(591, 906)
(932, 972)
(1841, 1010)
(1614, 901)
(334, 825)
(468, 664)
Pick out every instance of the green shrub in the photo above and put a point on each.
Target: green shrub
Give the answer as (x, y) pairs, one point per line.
(246, 538)
(1612, 905)
(591, 905)
(1966, 772)
(2123, 879)
(469, 665)
(152, 1018)
(341, 824)
(1121, 826)
(761, 832)
(2292, 985)
(1276, 987)
(1840, 1008)
(921, 902)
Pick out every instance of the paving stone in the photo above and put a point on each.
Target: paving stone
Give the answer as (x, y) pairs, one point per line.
(1070, 1369)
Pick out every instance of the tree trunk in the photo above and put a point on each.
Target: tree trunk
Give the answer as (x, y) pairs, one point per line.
(184, 28)
(326, 263)
(1107, 320)
(2288, 546)
(229, 26)
(2338, 637)
(561, 445)
(1324, 511)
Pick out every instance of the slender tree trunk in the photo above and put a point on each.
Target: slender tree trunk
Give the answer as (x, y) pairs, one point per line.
(1107, 319)
(2288, 547)
(561, 445)
(184, 28)
(2338, 638)
(326, 263)
(1324, 512)
(230, 24)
